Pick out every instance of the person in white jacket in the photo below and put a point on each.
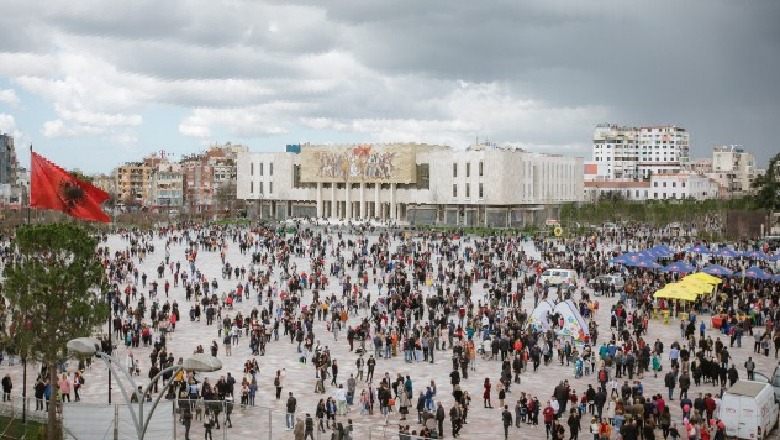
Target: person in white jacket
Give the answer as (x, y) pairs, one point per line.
(130, 362)
(341, 400)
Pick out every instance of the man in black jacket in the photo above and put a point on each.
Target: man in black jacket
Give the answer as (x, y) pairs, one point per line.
(506, 416)
(7, 387)
(440, 419)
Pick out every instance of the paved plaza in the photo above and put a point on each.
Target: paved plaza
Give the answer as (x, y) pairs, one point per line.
(253, 422)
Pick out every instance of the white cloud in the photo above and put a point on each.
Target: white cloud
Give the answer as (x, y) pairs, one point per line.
(437, 72)
(125, 139)
(8, 96)
(7, 123)
(192, 127)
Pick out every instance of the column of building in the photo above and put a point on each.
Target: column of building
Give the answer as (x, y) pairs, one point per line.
(334, 203)
(348, 211)
(319, 199)
(392, 202)
(362, 201)
(377, 214)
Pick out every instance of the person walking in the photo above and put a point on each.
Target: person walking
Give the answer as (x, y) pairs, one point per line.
(486, 394)
(290, 415)
(299, 431)
(278, 384)
(7, 387)
(186, 419)
(308, 427)
(506, 416)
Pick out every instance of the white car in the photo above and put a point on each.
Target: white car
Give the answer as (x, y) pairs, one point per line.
(608, 280)
(555, 277)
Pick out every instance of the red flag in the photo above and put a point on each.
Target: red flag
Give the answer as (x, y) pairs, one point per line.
(51, 187)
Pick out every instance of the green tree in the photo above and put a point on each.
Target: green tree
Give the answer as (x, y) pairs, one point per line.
(81, 176)
(768, 185)
(57, 289)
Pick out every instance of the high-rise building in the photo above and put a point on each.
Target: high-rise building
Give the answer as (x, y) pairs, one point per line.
(133, 184)
(168, 187)
(8, 163)
(734, 168)
(210, 180)
(623, 152)
(11, 189)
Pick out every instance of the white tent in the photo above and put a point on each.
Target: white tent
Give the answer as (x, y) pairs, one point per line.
(573, 324)
(539, 317)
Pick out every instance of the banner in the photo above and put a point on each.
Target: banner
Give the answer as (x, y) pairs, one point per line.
(359, 163)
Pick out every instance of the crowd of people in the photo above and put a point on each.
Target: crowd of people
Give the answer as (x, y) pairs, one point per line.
(398, 303)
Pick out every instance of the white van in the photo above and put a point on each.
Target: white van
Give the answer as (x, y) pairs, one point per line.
(556, 277)
(748, 410)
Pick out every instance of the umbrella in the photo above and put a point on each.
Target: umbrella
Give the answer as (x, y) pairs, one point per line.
(755, 255)
(626, 258)
(698, 249)
(679, 266)
(647, 264)
(715, 269)
(776, 278)
(755, 273)
(775, 257)
(725, 252)
(674, 291)
(707, 278)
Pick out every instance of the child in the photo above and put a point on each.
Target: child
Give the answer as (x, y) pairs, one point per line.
(674, 433)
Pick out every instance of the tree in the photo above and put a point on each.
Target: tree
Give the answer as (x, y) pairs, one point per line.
(56, 289)
(226, 199)
(81, 176)
(768, 185)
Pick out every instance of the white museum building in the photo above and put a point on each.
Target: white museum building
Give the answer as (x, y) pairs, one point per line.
(416, 184)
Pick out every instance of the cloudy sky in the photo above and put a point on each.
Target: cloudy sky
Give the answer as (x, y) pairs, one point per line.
(91, 83)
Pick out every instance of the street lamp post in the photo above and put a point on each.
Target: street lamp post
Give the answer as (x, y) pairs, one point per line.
(200, 362)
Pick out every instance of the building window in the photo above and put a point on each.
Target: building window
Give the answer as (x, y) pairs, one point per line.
(455, 169)
(468, 169)
(271, 169)
(252, 187)
(423, 176)
(481, 169)
(468, 190)
(296, 176)
(455, 190)
(270, 186)
(481, 191)
(260, 188)
(655, 184)
(261, 169)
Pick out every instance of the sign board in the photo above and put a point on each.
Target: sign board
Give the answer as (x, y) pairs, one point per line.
(394, 163)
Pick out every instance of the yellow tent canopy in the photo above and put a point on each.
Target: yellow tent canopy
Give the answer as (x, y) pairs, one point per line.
(707, 278)
(675, 291)
(696, 285)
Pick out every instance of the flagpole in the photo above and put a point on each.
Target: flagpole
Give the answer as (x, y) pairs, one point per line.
(24, 358)
(29, 192)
